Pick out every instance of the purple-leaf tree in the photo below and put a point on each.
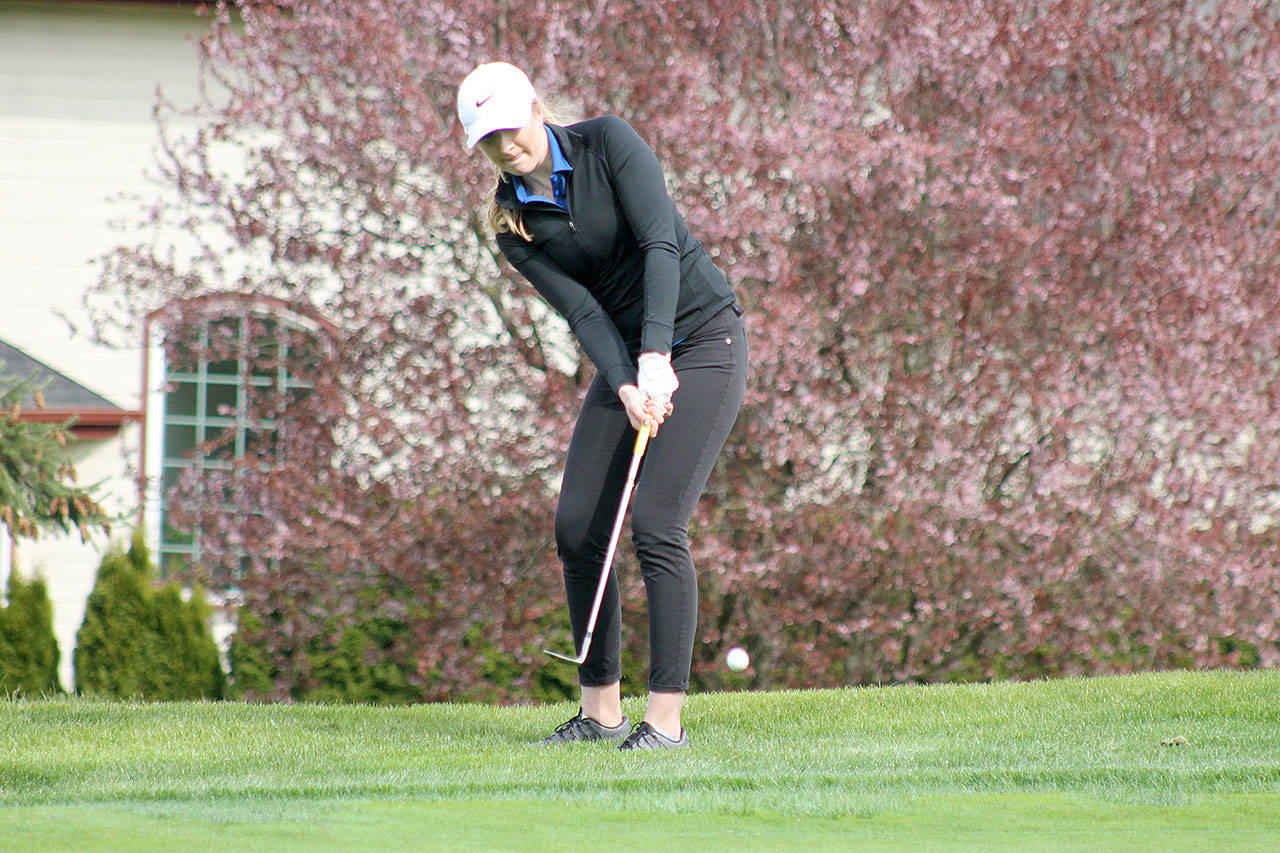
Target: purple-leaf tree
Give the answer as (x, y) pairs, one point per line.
(1011, 277)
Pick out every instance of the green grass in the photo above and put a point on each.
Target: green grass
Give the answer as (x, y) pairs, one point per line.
(1161, 761)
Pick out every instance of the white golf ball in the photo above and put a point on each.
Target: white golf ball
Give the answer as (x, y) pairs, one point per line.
(737, 659)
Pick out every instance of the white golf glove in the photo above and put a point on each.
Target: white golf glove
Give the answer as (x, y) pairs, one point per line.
(657, 380)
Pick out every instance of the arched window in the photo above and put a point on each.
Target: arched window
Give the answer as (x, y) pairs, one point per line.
(229, 363)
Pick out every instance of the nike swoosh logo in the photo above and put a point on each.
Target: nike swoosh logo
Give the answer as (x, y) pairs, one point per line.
(483, 101)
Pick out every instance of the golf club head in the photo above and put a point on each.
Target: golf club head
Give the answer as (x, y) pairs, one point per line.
(578, 660)
(582, 655)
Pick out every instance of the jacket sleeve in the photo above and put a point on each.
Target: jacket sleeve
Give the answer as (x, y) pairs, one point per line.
(590, 324)
(642, 192)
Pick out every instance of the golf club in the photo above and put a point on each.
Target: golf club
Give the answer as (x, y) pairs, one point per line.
(642, 439)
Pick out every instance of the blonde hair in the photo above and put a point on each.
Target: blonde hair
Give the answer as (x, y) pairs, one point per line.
(499, 219)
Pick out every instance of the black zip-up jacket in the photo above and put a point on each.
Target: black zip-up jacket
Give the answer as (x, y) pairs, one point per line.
(620, 266)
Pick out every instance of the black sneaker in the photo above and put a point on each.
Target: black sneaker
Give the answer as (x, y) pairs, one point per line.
(646, 736)
(583, 728)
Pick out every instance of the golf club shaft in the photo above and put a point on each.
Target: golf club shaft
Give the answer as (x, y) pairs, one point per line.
(642, 440)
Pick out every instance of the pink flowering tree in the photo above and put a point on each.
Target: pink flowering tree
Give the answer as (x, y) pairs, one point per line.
(1010, 278)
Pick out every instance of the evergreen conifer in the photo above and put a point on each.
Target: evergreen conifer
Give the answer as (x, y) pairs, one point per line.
(140, 642)
(28, 647)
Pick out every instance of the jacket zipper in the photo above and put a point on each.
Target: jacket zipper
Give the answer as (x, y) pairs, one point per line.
(568, 209)
(568, 205)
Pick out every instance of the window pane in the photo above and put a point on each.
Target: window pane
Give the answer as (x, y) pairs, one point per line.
(181, 399)
(227, 367)
(264, 350)
(178, 440)
(261, 443)
(220, 442)
(170, 477)
(297, 392)
(180, 356)
(221, 400)
(172, 563)
(224, 347)
(174, 536)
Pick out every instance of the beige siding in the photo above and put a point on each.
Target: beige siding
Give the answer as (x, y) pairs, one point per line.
(77, 86)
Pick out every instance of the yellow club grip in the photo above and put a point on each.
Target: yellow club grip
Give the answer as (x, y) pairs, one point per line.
(642, 440)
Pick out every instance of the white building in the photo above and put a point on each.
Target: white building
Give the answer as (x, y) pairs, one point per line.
(77, 86)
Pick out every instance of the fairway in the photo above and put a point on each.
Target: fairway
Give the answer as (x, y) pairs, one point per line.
(1161, 761)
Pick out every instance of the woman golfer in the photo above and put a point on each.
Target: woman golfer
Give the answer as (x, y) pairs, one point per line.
(582, 212)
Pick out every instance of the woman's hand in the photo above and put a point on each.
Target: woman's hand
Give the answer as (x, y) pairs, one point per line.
(655, 376)
(643, 409)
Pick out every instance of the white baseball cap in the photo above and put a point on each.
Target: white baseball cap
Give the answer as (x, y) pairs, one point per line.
(495, 96)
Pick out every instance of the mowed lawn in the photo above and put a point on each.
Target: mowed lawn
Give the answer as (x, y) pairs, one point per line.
(1151, 762)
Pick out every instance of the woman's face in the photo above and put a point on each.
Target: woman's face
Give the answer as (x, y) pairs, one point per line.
(520, 150)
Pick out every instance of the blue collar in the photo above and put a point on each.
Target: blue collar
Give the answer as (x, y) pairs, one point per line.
(558, 162)
(559, 168)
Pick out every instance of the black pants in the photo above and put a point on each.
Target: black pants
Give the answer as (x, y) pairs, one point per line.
(711, 364)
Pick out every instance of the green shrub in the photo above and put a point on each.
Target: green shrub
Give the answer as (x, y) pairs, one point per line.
(191, 669)
(28, 648)
(352, 670)
(141, 642)
(361, 658)
(252, 676)
(370, 656)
